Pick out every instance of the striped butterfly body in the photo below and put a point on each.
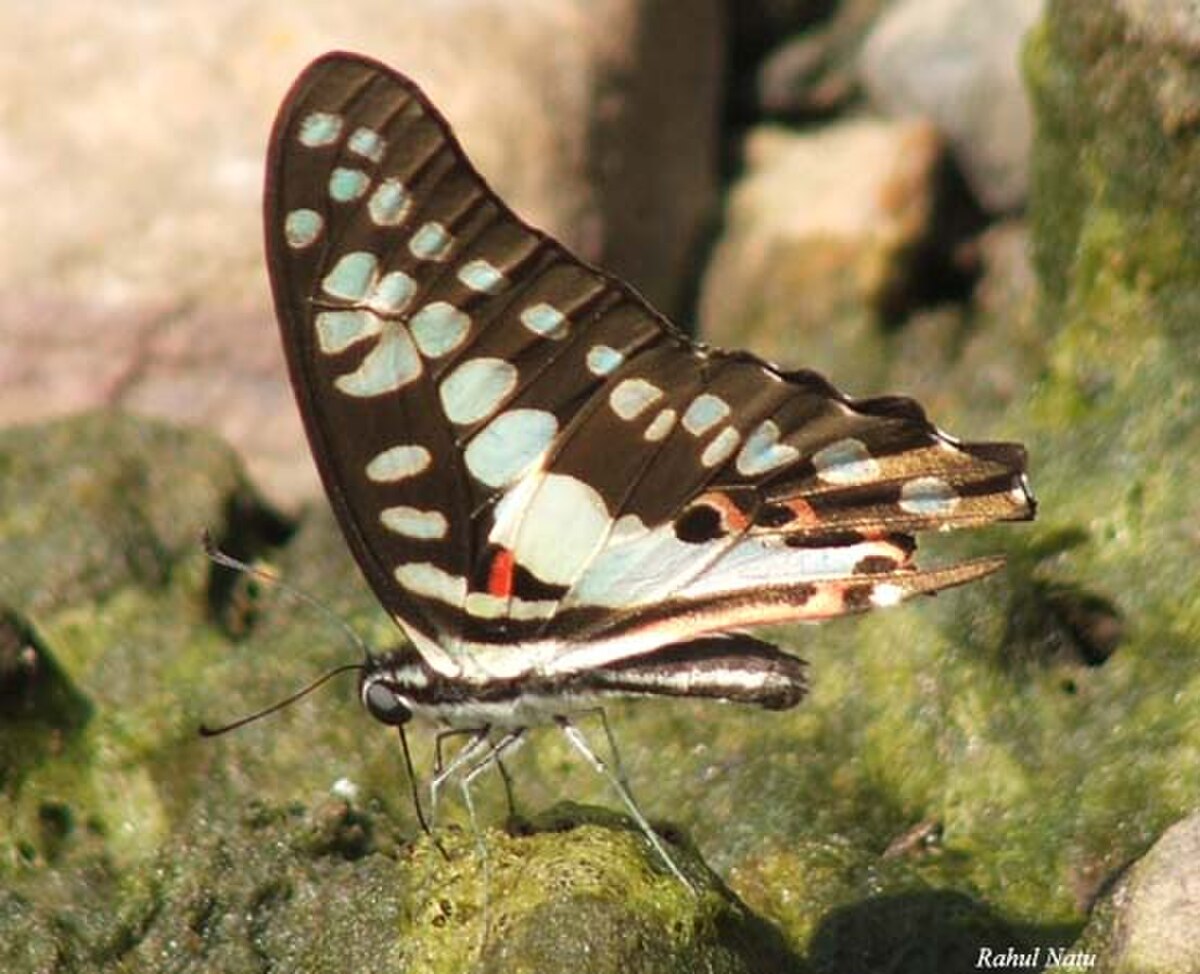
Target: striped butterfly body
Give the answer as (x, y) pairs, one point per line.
(556, 494)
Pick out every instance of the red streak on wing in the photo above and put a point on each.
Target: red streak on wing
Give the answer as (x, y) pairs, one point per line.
(500, 576)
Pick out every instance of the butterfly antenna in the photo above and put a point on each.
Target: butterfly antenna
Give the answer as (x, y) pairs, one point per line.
(206, 731)
(219, 557)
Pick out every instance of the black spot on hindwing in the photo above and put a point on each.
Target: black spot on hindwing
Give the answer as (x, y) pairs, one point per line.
(699, 524)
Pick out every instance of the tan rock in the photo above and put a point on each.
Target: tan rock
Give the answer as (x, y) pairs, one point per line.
(817, 235)
(131, 269)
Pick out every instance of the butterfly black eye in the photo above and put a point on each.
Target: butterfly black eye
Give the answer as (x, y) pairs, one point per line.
(385, 705)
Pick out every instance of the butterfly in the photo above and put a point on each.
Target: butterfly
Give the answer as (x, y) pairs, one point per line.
(557, 495)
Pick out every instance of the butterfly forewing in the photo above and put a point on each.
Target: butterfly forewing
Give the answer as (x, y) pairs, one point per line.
(433, 339)
(533, 468)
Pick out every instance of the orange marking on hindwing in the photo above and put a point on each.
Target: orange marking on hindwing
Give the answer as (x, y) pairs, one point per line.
(733, 521)
(829, 600)
(806, 517)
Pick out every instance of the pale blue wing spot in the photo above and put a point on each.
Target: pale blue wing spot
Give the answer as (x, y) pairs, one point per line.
(483, 605)
(602, 360)
(439, 328)
(564, 523)
(846, 463)
(749, 564)
(483, 276)
(398, 463)
(393, 292)
(638, 566)
(320, 128)
(545, 320)
(392, 364)
(390, 203)
(509, 445)
(367, 143)
(413, 522)
(763, 452)
(663, 423)
(423, 578)
(704, 412)
(301, 227)
(352, 276)
(632, 397)
(346, 185)
(475, 389)
(338, 330)
(721, 448)
(645, 567)
(930, 496)
(431, 242)
(530, 609)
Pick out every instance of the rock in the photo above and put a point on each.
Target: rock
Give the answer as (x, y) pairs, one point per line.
(1117, 253)
(1007, 283)
(1004, 348)
(1150, 922)
(756, 25)
(971, 358)
(818, 234)
(1167, 23)
(268, 886)
(131, 842)
(956, 62)
(815, 73)
(99, 502)
(147, 147)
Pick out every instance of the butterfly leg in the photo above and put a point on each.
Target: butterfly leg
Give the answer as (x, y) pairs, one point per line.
(478, 742)
(444, 735)
(505, 777)
(581, 745)
(617, 767)
(506, 743)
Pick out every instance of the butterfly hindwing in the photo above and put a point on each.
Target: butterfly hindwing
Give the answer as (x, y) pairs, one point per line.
(533, 468)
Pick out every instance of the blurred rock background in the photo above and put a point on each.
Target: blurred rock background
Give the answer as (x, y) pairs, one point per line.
(796, 177)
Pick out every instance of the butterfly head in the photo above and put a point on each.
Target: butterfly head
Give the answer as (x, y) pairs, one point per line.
(387, 685)
(386, 704)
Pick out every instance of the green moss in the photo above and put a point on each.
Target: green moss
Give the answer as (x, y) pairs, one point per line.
(1116, 166)
(586, 899)
(100, 501)
(141, 844)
